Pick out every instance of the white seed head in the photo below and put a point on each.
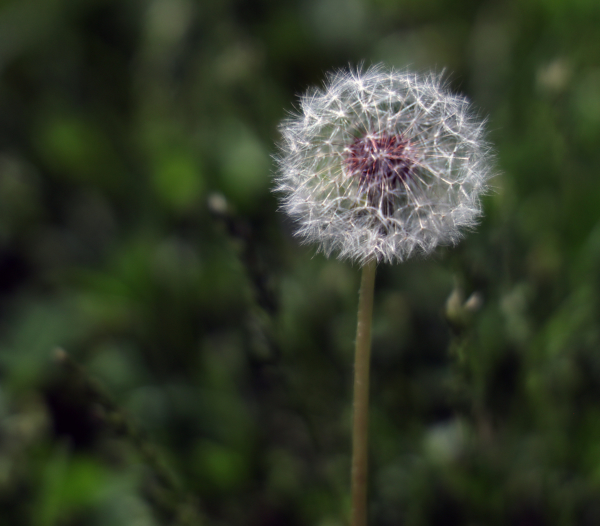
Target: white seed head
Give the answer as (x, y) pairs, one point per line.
(382, 164)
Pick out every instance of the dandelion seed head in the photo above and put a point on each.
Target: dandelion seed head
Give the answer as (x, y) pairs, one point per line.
(382, 164)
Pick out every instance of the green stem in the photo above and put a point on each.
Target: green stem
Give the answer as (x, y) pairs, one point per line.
(360, 426)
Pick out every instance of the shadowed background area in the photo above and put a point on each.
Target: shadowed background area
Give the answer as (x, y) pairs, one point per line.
(169, 353)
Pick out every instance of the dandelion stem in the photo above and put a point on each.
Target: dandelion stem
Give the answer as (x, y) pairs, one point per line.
(360, 426)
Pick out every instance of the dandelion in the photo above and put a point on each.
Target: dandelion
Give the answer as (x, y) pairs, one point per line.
(380, 165)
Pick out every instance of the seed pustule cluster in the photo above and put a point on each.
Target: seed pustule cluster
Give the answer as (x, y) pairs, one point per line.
(382, 164)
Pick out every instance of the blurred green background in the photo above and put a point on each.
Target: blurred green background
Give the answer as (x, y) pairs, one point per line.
(208, 359)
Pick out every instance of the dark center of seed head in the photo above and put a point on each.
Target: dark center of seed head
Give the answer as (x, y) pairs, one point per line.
(381, 162)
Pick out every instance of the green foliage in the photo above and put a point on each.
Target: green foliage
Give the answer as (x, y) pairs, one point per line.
(210, 355)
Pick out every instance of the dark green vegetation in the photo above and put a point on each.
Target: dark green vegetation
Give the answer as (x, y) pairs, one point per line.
(208, 372)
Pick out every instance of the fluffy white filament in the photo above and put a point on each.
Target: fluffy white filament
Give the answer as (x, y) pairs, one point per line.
(382, 164)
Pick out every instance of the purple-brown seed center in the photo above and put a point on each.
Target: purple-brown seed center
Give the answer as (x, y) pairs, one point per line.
(381, 162)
